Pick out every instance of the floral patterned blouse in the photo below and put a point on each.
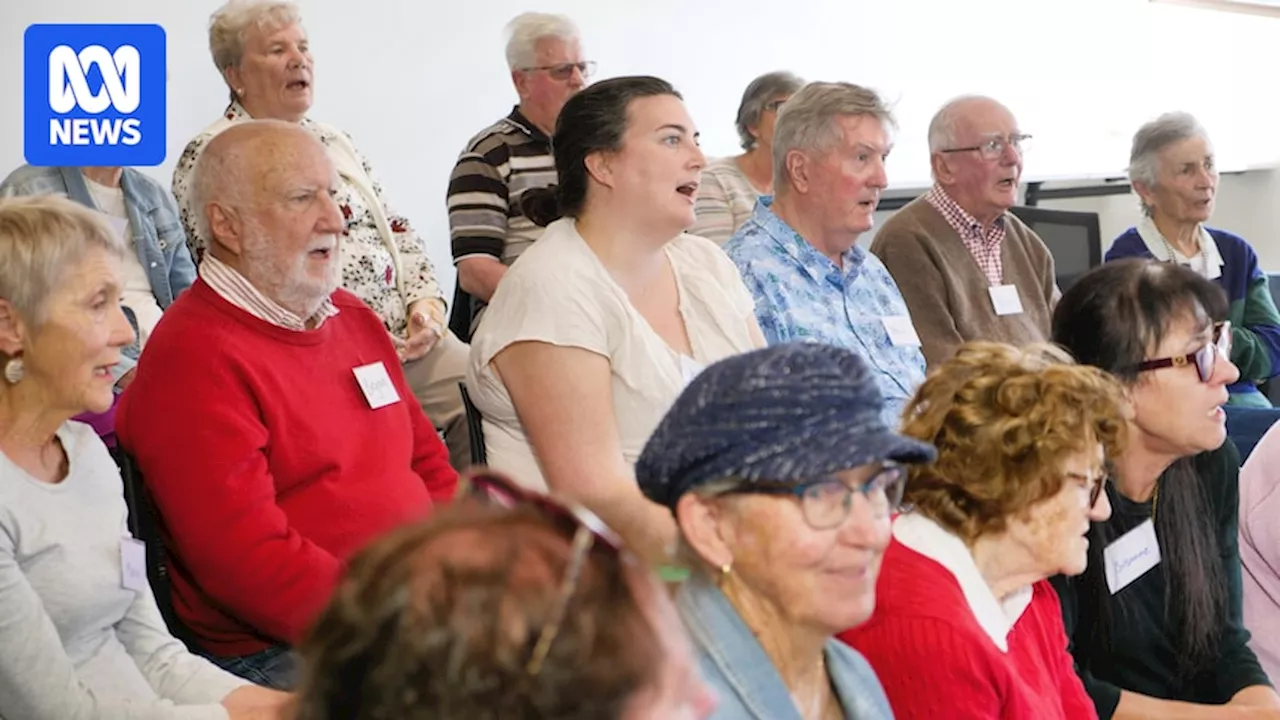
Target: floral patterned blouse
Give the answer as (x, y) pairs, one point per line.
(369, 260)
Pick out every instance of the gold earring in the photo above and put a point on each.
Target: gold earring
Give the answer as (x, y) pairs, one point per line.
(726, 568)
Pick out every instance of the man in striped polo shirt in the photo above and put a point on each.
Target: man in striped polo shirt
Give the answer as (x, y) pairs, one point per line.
(487, 227)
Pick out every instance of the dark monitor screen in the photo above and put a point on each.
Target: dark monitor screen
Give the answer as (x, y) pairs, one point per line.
(1073, 238)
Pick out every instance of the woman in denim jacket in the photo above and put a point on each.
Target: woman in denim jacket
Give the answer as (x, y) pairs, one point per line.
(782, 476)
(147, 215)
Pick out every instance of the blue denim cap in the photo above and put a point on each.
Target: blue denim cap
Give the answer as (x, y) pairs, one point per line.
(796, 411)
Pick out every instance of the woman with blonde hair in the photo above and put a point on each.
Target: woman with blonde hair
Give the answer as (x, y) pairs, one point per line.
(966, 622)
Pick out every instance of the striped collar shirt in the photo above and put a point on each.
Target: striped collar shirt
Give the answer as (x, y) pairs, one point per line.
(237, 290)
(983, 244)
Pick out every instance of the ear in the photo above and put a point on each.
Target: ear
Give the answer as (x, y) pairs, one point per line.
(799, 170)
(521, 82)
(225, 226)
(941, 169)
(12, 329)
(600, 168)
(1145, 192)
(233, 78)
(702, 524)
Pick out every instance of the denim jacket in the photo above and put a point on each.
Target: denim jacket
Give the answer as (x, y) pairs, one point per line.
(153, 219)
(743, 676)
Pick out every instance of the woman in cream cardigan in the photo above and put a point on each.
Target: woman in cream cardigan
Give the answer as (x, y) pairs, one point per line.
(261, 50)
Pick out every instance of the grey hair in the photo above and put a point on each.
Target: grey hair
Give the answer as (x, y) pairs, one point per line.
(807, 121)
(685, 554)
(526, 29)
(42, 237)
(1154, 136)
(943, 127)
(758, 94)
(230, 24)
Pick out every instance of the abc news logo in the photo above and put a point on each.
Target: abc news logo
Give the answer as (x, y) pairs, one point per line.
(95, 95)
(69, 89)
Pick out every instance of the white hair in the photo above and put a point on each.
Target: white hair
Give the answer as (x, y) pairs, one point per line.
(943, 126)
(1151, 138)
(230, 24)
(524, 32)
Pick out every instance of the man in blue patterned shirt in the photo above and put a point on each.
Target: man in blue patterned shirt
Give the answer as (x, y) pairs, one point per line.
(798, 253)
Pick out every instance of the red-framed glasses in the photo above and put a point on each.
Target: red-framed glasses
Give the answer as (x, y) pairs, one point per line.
(1205, 359)
(586, 531)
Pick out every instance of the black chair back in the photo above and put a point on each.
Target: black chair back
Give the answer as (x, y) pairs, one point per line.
(479, 456)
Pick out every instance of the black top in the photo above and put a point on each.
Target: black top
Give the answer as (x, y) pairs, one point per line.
(1142, 655)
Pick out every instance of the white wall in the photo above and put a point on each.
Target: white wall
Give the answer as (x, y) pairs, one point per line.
(413, 79)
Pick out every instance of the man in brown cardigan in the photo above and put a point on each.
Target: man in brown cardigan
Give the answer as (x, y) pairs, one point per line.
(969, 269)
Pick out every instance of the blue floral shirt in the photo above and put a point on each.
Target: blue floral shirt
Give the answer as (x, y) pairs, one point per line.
(802, 296)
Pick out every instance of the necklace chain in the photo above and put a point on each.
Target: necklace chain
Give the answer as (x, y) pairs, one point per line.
(1173, 256)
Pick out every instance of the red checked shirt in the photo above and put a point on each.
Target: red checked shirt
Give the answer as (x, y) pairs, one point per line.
(983, 244)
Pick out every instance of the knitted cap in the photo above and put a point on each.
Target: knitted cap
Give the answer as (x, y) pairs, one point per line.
(796, 411)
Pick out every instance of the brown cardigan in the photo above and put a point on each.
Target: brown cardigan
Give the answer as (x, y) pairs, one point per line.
(946, 291)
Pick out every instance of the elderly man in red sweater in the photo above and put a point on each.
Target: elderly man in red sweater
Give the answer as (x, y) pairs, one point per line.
(270, 417)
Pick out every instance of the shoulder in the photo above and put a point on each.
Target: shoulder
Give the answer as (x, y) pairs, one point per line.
(750, 245)
(1128, 244)
(30, 180)
(907, 230)
(910, 217)
(498, 136)
(145, 183)
(1232, 246)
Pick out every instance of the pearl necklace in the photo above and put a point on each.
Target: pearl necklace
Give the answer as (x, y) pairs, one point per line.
(1173, 257)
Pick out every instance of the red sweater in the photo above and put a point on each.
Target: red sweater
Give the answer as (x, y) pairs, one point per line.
(936, 661)
(267, 464)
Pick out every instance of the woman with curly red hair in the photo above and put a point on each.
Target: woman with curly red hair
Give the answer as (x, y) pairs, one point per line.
(966, 623)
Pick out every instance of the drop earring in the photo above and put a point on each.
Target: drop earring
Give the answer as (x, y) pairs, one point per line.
(14, 370)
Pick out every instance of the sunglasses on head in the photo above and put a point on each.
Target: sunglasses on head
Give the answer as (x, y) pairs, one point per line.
(1205, 359)
(584, 529)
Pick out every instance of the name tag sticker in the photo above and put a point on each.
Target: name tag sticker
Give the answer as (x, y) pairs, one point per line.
(901, 332)
(133, 564)
(1131, 556)
(376, 384)
(1005, 300)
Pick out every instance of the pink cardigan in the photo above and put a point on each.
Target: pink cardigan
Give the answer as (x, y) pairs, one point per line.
(1260, 549)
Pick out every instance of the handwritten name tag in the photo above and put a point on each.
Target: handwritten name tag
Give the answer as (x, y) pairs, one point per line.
(1131, 556)
(376, 384)
(133, 564)
(901, 332)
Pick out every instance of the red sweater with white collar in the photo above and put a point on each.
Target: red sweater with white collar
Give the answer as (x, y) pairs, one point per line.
(268, 465)
(936, 661)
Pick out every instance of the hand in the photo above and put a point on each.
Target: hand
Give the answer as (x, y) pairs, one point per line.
(251, 702)
(127, 378)
(426, 327)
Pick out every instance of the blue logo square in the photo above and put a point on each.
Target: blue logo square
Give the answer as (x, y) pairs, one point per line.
(94, 95)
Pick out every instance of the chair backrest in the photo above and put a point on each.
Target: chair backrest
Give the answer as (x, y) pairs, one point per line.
(1073, 238)
(479, 456)
(146, 525)
(461, 313)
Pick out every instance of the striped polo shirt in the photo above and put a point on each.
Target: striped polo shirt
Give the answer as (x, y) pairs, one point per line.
(496, 168)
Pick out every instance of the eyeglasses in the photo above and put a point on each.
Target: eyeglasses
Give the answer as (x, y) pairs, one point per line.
(827, 502)
(587, 531)
(1095, 485)
(564, 71)
(1205, 359)
(994, 148)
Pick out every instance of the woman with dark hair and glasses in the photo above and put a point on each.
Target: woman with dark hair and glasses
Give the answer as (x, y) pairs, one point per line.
(1155, 620)
(509, 606)
(966, 623)
(782, 475)
(730, 185)
(590, 337)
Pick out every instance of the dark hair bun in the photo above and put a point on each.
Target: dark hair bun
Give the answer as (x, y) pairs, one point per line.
(541, 205)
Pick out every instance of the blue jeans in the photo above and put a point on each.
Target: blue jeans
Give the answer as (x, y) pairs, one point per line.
(276, 667)
(1247, 425)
